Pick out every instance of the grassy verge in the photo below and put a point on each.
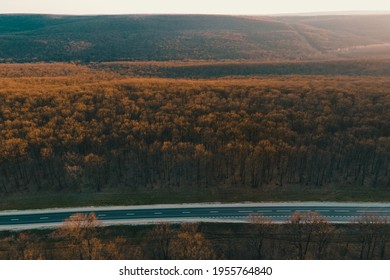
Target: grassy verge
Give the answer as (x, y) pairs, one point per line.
(52, 200)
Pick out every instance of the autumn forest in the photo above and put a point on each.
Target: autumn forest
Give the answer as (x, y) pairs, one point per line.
(87, 129)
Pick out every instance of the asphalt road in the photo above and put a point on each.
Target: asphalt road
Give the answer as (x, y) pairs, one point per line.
(221, 213)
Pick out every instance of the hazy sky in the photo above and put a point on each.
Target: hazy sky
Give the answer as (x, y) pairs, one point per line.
(189, 6)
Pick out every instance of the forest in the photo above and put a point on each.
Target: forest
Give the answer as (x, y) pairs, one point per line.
(218, 69)
(67, 128)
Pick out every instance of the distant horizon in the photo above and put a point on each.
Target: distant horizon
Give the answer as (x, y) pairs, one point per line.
(319, 13)
(184, 7)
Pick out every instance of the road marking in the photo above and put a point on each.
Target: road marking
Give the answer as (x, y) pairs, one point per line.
(337, 215)
(372, 211)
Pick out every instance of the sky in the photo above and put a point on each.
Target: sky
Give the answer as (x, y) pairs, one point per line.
(242, 7)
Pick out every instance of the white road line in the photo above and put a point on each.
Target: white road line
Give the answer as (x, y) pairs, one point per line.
(341, 211)
(264, 211)
(129, 214)
(101, 215)
(321, 210)
(14, 219)
(245, 211)
(186, 212)
(371, 211)
(283, 211)
(213, 212)
(44, 218)
(157, 213)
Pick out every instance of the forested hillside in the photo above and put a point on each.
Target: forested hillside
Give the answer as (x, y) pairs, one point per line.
(85, 129)
(28, 38)
(215, 69)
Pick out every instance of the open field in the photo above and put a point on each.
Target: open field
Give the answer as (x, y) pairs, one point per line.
(71, 199)
(366, 51)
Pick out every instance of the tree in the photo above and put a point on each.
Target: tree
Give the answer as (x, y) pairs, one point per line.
(309, 227)
(79, 233)
(373, 235)
(160, 241)
(189, 244)
(262, 229)
(26, 247)
(94, 167)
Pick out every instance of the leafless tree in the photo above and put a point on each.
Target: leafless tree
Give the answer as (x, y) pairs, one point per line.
(160, 241)
(308, 228)
(262, 229)
(373, 235)
(190, 244)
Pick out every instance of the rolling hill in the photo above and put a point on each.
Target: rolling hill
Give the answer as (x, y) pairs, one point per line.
(30, 38)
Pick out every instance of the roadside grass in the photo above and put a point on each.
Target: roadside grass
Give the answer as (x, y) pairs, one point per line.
(148, 197)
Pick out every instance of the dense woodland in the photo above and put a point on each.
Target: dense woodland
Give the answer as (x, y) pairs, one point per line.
(97, 130)
(304, 236)
(217, 69)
